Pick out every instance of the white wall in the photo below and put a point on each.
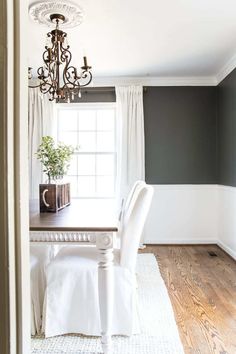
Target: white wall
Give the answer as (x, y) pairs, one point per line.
(227, 219)
(193, 214)
(183, 214)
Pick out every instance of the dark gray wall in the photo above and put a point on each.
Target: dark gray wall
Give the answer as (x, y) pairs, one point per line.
(227, 130)
(180, 132)
(180, 135)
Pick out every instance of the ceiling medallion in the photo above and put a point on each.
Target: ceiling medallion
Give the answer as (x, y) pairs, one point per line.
(41, 11)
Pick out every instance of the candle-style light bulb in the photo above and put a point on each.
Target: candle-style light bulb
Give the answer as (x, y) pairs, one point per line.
(85, 67)
(65, 42)
(29, 73)
(48, 42)
(85, 61)
(50, 54)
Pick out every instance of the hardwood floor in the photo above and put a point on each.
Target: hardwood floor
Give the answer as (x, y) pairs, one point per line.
(202, 290)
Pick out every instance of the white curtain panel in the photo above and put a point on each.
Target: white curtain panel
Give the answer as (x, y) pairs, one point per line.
(40, 116)
(131, 149)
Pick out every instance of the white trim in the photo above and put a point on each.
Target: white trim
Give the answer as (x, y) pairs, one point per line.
(21, 202)
(227, 188)
(85, 105)
(227, 249)
(226, 69)
(12, 251)
(15, 287)
(220, 244)
(182, 242)
(155, 81)
(8, 334)
(185, 186)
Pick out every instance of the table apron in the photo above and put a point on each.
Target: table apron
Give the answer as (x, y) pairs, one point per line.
(104, 240)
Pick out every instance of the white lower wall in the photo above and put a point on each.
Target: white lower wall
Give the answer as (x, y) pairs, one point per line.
(227, 219)
(183, 214)
(191, 214)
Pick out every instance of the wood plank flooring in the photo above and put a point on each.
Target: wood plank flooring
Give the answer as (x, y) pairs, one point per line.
(202, 290)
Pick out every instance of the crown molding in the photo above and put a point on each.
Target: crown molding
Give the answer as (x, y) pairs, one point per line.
(226, 69)
(155, 81)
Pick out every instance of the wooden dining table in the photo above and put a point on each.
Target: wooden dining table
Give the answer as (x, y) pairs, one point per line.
(84, 221)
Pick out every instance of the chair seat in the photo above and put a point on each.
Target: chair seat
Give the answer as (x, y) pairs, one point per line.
(71, 301)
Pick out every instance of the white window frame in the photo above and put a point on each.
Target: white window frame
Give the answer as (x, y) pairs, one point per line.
(92, 106)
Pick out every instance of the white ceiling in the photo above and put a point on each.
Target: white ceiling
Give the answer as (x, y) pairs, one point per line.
(152, 38)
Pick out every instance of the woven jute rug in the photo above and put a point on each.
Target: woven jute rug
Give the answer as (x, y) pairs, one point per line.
(159, 333)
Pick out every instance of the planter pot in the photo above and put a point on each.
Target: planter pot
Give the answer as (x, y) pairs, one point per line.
(54, 197)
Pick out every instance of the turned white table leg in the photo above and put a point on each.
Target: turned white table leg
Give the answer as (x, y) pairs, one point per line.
(105, 288)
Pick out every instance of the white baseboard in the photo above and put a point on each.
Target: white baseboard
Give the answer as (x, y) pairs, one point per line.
(227, 249)
(182, 242)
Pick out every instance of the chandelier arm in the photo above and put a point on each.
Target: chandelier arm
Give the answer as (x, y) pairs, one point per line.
(44, 89)
(57, 59)
(74, 73)
(52, 93)
(46, 58)
(66, 57)
(53, 72)
(84, 75)
(41, 73)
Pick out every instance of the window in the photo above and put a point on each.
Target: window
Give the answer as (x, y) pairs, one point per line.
(92, 128)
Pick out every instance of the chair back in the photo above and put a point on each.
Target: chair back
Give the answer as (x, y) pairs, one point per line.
(132, 192)
(133, 223)
(125, 204)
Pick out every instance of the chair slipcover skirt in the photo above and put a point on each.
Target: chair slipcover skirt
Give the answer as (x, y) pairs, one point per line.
(40, 256)
(72, 303)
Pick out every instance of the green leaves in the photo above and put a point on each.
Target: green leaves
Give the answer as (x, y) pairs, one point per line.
(55, 160)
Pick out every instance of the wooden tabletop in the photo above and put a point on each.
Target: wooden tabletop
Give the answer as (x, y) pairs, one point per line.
(81, 215)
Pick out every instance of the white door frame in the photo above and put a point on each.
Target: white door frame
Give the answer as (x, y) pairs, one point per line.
(14, 228)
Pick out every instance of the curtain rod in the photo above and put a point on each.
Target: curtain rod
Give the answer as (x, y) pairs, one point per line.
(103, 89)
(98, 89)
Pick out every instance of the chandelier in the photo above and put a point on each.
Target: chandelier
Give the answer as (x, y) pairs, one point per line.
(57, 76)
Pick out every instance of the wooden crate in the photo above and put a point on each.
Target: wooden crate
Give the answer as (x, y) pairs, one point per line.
(54, 197)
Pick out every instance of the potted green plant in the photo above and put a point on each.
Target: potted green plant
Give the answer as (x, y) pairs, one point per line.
(54, 195)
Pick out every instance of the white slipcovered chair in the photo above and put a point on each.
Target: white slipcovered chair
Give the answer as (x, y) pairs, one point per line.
(125, 206)
(126, 203)
(40, 257)
(138, 184)
(71, 299)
